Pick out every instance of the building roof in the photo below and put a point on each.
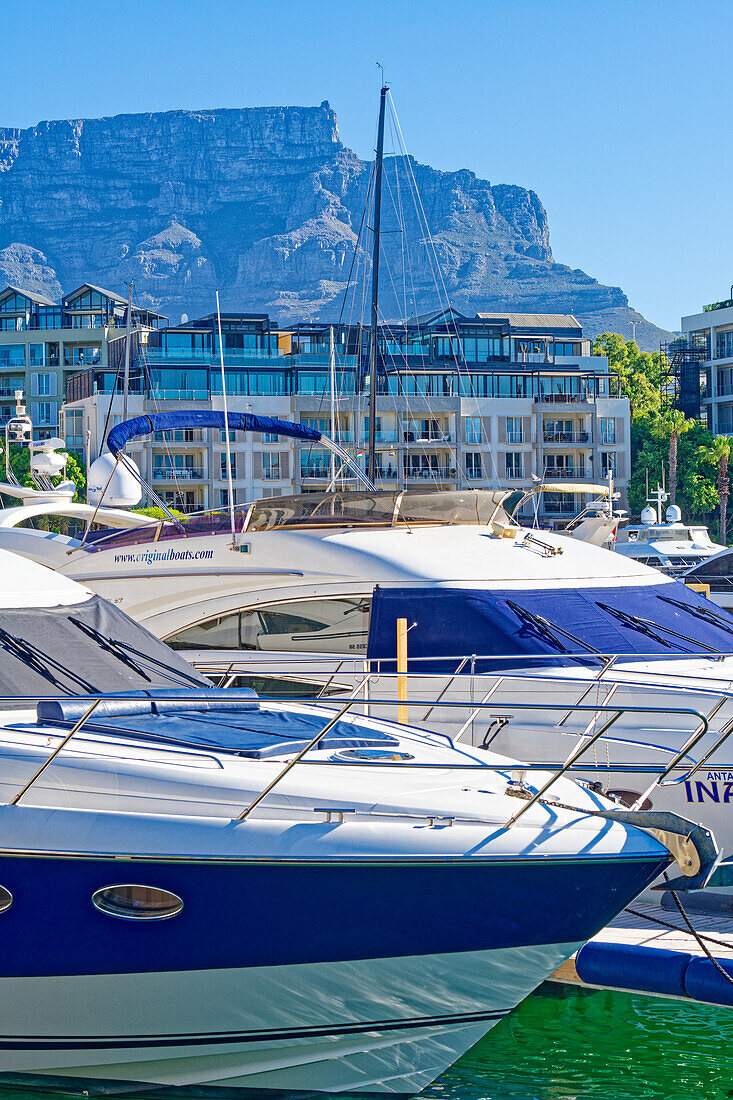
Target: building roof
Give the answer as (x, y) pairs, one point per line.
(41, 299)
(99, 289)
(534, 320)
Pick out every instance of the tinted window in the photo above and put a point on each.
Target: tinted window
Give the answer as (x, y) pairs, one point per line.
(324, 626)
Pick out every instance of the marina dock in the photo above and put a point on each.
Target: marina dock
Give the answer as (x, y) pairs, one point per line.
(649, 949)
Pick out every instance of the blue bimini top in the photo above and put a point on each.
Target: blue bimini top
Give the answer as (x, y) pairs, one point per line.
(202, 418)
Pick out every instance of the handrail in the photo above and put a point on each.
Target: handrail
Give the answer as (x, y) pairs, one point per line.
(291, 764)
(583, 744)
(75, 729)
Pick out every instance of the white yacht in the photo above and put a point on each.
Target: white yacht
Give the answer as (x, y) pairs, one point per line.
(526, 639)
(716, 573)
(188, 899)
(669, 545)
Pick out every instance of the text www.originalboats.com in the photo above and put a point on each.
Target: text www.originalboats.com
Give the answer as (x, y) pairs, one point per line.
(147, 557)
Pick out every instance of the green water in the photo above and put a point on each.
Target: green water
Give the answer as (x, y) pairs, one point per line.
(563, 1044)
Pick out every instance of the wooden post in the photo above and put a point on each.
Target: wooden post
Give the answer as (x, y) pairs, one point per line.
(402, 671)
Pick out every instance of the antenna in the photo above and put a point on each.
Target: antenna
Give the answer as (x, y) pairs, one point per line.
(226, 422)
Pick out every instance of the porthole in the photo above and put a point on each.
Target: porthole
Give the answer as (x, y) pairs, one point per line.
(131, 901)
(6, 899)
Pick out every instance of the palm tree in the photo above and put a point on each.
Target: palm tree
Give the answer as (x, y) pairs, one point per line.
(721, 452)
(673, 424)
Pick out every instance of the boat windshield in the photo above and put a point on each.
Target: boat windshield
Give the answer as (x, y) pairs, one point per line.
(475, 507)
(86, 647)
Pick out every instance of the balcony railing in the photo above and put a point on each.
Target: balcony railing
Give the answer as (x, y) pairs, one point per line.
(431, 438)
(565, 437)
(380, 437)
(552, 473)
(178, 473)
(564, 398)
(473, 474)
(426, 473)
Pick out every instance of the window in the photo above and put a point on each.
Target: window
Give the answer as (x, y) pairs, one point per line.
(608, 429)
(473, 429)
(43, 385)
(473, 465)
(134, 902)
(271, 466)
(223, 465)
(232, 436)
(37, 355)
(514, 429)
(609, 463)
(82, 355)
(6, 899)
(12, 356)
(724, 345)
(514, 464)
(44, 412)
(559, 503)
(74, 428)
(333, 625)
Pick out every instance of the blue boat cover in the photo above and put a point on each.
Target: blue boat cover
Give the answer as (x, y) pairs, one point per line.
(237, 724)
(203, 418)
(543, 625)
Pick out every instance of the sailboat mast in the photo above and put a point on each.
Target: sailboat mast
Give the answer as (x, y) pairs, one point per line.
(126, 379)
(377, 215)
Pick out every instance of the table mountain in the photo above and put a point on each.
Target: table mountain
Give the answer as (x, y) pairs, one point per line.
(265, 204)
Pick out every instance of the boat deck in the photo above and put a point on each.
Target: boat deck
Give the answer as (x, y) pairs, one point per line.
(649, 949)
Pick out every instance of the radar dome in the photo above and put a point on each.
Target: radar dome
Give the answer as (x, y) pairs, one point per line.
(123, 490)
(648, 515)
(673, 514)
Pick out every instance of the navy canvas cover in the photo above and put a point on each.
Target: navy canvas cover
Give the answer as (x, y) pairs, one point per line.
(452, 623)
(203, 418)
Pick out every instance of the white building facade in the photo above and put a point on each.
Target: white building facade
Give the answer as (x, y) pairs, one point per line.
(496, 401)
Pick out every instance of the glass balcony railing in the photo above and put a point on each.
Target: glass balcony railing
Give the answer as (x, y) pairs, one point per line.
(178, 473)
(565, 437)
(425, 473)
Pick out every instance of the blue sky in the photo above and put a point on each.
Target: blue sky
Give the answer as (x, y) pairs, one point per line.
(615, 111)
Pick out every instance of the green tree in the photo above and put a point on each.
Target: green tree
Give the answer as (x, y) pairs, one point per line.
(670, 426)
(720, 452)
(20, 463)
(639, 372)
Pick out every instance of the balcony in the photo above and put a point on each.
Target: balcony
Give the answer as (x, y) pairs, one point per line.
(432, 439)
(440, 473)
(175, 436)
(565, 437)
(564, 398)
(474, 475)
(570, 472)
(179, 395)
(178, 473)
(381, 437)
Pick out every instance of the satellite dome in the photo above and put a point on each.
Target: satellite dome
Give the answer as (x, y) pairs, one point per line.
(123, 490)
(648, 515)
(673, 514)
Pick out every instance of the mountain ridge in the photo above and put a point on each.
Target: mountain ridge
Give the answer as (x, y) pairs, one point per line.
(265, 204)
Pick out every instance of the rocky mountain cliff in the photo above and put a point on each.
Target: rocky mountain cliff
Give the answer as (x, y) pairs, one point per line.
(265, 204)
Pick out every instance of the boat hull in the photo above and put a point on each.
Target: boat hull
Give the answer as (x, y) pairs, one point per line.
(284, 975)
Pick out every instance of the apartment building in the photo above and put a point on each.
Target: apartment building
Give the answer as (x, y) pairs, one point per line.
(704, 364)
(494, 401)
(43, 342)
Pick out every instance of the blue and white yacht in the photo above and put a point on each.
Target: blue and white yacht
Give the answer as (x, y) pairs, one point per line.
(514, 632)
(209, 890)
